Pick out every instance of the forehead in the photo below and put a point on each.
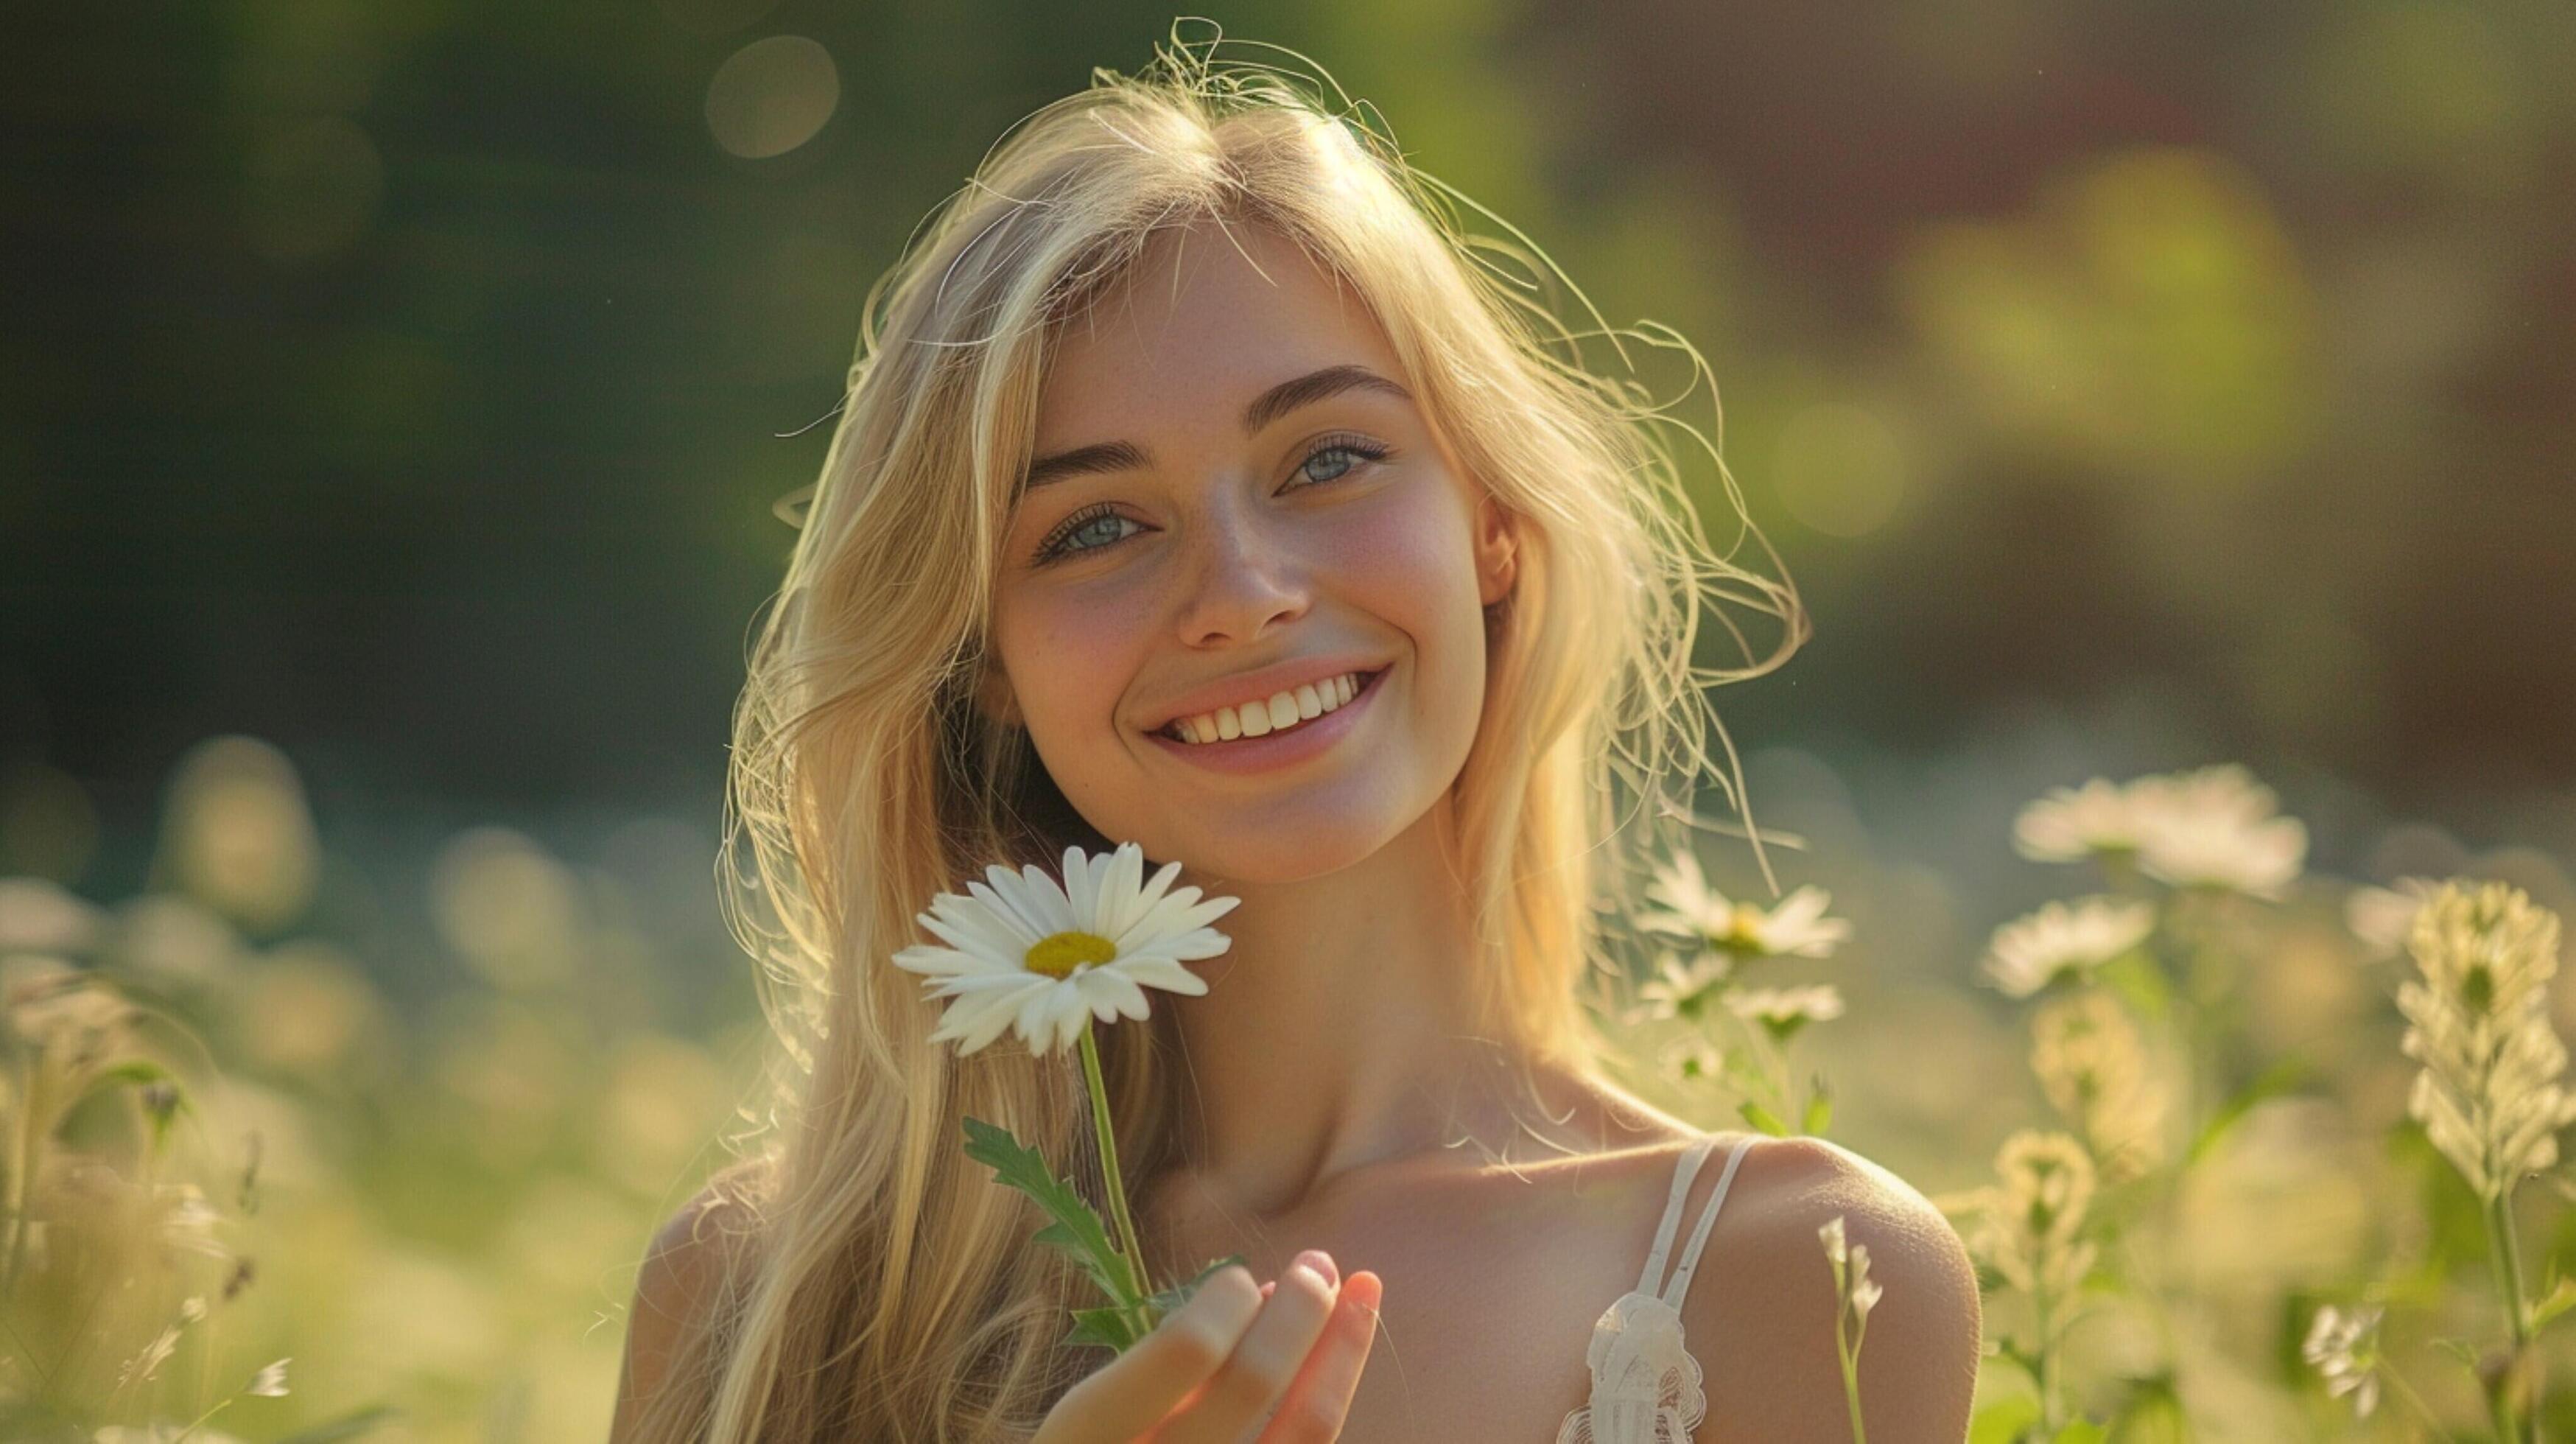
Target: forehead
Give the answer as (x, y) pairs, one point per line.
(1196, 331)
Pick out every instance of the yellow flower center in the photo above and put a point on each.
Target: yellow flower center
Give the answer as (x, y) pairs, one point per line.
(1060, 955)
(1743, 929)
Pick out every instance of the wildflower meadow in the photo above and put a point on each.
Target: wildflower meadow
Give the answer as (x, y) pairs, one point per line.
(2241, 1151)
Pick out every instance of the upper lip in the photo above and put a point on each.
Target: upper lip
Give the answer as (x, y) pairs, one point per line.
(1255, 686)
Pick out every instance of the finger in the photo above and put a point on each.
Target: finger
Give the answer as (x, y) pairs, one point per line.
(1267, 1288)
(1132, 1393)
(1248, 1385)
(1320, 1397)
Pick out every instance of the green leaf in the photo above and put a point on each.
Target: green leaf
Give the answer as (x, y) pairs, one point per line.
(2080, 1431)
(1076, 1229)
(2283, 1075)
(2460, 1349)
(1111, 1326)
(2560, 1300)
(1820, 1109)
(1163, 1303)
(1763, 1118)
(347, 1427)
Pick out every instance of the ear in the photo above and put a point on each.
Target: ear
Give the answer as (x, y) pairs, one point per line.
(1497, 551)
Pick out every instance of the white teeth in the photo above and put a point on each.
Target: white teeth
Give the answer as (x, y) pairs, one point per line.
(1274, 713)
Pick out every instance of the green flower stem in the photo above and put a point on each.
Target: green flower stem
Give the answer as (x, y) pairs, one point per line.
(2047, 1379)
(1851, 1371)
(1109, 1168)
(2507, 1253)
(2403, 1390)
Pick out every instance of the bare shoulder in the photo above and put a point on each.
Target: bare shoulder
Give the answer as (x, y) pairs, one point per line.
(1761, 1314)
(695, 1255)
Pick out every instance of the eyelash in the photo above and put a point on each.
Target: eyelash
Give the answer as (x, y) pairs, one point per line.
(1054, 546)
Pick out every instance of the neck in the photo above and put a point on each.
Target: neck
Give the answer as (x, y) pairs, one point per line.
(1336, 1031)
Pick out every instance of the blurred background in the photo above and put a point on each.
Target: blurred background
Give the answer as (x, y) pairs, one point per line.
(393, 398)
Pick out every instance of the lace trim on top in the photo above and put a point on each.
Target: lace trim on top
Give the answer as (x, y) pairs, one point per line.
(1645, 1384)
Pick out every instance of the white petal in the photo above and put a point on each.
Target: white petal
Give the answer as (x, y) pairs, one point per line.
(1124, 896)
(1048, 895)
(1070, 1023)
(1114, 995)
(1005, 911)
(939, 960)
(975, 1021)
(1162, 973)
(1175, 917)
(1039, 1012)
(1011, 891)
(990, 1024)
(1081, 884)
(979, 919)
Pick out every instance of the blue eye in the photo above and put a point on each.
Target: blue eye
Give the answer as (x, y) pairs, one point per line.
(1061, 542)
(1344, 446)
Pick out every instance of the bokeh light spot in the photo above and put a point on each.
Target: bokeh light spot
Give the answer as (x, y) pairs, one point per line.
(772, 96)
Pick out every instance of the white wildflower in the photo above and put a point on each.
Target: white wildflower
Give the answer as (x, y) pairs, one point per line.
(270, 1381)
(2069, 824)
(2489, 1095)
(1783, 1011)
(2028, 954)
(1679, 990)
(2344, 1347)
(2028, 1227)
(1797, 927)
(2216, 828)
(1028, 953)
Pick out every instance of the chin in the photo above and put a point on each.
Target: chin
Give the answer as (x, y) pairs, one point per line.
(1289, 850)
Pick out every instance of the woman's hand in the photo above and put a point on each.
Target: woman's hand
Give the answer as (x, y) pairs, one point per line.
(1288, 1351)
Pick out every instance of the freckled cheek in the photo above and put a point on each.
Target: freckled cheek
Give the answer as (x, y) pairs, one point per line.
(1070, 661)
(1411, 568)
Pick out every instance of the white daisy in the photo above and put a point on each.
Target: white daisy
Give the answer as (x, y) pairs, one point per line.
(2029, 953)
(2216, 828)
(1783, 1011)
(1796, 928)
(1028, 954)
(2069, 824)
(1679, 990)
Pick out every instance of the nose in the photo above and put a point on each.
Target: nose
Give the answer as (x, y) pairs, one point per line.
(1242, 577)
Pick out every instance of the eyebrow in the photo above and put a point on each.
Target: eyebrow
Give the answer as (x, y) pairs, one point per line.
(1266, 408)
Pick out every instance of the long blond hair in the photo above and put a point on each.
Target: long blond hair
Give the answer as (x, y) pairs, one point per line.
(887, 1287)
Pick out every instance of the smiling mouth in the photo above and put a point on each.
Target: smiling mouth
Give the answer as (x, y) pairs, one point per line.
(1237, 724)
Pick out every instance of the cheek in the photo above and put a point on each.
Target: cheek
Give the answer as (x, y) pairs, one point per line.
(1066, 656)
(1413, 566)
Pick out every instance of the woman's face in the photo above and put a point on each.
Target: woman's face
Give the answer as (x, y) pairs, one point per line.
(1175, 560)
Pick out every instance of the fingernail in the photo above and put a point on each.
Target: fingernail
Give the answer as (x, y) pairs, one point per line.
(1321, 1264)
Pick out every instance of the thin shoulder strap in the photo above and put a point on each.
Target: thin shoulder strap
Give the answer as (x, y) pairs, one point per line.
(1680, 1284)
(1684, 1170)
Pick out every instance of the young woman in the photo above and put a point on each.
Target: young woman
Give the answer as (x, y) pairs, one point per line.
(1191, 401)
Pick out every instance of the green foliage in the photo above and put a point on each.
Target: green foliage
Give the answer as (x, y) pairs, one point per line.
(1074, 1227)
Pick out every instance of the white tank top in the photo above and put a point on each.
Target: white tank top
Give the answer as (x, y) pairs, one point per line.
(1645, 1384)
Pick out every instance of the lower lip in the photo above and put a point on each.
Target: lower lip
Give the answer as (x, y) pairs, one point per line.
(1273, 750)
